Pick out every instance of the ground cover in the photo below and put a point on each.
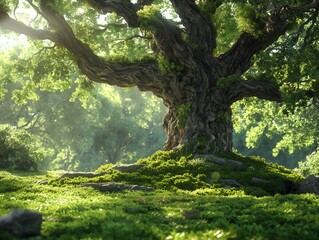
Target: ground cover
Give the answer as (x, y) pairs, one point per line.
(210, 211)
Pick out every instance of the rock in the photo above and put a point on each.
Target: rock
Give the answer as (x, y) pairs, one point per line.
(190, 213)
(256, 181)
(309, 185)
(223, 161)
(121, 168)
(231, 182)
(81, 174)
(42, 182)
(23, 223)
(116, 187)
(128, 168)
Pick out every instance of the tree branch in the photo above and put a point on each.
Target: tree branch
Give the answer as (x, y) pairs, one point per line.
(252, 88)
(166, 35)
(238, 59)
(145, 75)
(8, 23)
(122, 8)
(201, 32)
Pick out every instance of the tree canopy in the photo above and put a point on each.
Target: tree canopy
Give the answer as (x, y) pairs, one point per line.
(200, 56)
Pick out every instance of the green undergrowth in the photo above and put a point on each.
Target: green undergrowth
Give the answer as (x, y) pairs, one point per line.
(172, 171)
(73, 212)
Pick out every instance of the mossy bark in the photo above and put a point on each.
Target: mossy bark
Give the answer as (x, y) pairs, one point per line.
(200, 121)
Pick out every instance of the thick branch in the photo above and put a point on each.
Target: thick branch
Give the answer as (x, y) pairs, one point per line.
(201, 32)
(252, 88)
(239, 58)
(8, 23)
(146, 76)
(169, 40)
(166, 35)
(122, 8)
(143, 75)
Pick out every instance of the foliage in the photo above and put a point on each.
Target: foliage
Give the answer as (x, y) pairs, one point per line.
(310, 165)
(168, 66)
(113, 126)
(228, 81)
(71, 212)
(247, 19)
(267, 130)
(148, 15)
(18, 150)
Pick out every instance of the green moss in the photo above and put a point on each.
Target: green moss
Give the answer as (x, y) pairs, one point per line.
(167, 66)
(149, 15)
(183, 112)
(209, 7)
(71, 212)
(171, 170)
(248, 20)
(4, 8)
(228, 81)
(280, 178)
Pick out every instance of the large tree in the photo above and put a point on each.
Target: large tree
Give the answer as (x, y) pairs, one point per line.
(196, 73)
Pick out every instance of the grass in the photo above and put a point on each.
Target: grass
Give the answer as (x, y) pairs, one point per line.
(73, 212)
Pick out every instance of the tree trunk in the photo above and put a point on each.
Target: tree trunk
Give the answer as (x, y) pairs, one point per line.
(203, 124)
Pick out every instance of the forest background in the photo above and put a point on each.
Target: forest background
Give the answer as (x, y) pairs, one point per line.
(74, 124)
(78, 126)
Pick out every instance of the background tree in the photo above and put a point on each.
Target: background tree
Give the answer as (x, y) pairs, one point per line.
(183, 61)
(83, 126)
(265, 129)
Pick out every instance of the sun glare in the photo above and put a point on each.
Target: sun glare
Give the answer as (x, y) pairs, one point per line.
(7, 42)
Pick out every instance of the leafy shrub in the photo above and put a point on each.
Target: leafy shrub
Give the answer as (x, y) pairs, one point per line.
(310, 166)
(16, 149)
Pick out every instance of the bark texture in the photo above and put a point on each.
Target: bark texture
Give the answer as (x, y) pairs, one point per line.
(199, 113)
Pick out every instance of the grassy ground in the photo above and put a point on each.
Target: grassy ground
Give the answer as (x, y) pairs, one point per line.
(73, 212)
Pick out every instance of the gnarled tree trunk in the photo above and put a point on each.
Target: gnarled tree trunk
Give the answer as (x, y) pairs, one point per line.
(198, 119)
(203, 129)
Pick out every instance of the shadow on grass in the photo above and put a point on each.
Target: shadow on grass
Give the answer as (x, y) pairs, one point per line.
(160, 215)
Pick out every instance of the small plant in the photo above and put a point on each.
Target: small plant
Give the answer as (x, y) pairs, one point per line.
(215, 176)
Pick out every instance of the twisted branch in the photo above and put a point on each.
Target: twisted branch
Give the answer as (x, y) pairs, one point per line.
(201, 32)
(252, 88)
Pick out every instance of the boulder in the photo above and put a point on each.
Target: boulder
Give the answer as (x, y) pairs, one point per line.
(257, 181)
(22, 223)
(222, 161)
(81, 174)
(231, 183)
(309, 185)
(122, 168)
(128, 168)
(42, 182)
(116, 187)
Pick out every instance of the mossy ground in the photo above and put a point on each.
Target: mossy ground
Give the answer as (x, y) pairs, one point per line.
(73, 212)
(169, 170)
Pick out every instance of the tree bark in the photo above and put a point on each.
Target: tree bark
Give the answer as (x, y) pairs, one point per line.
(199, 118)
(208, 128)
